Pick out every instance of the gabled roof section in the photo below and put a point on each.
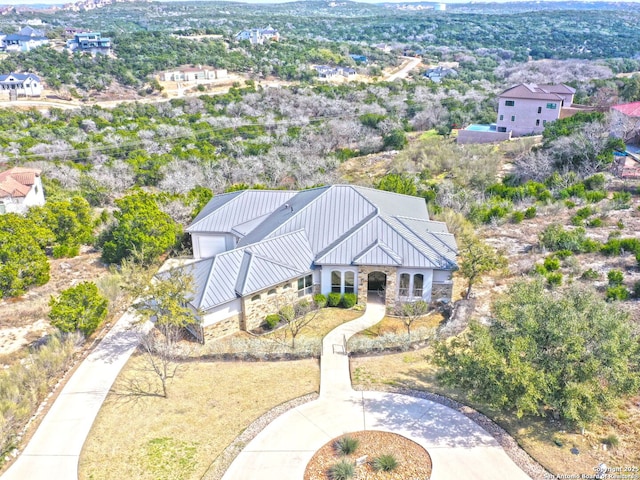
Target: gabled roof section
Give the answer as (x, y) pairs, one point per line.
(324, 213)
(537, 92)
(378, 253)
(244, 271)
(391, 239)
(226, 212)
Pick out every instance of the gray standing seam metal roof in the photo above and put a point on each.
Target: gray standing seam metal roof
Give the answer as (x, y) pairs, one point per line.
(243, 271)
(226, 211)
(285, 233)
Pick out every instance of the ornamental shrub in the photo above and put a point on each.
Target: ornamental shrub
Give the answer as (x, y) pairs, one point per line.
(320, 300)
(271, 321)
(347, 445)
(385, 463)
(333, 299)
(343, 470)
(349, 300)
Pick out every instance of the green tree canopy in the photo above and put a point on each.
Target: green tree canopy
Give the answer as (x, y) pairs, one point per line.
(70, 221)
(398, 183)
(478, 258)
(80, 308)
(23, 262)
(563, 352)
(140, 226)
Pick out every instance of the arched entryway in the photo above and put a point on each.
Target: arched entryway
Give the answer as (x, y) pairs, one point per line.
(376, 285)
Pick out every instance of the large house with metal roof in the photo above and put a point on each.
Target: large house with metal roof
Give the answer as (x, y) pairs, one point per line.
(257, 250)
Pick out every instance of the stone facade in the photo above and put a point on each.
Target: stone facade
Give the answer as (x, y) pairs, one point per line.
(441, 290)
(257, 306)
(390, 289)
(222, 328)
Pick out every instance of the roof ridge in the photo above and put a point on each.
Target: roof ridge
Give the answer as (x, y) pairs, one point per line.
(424, 242)
(349, 233)
(393, 227)
(243, 272)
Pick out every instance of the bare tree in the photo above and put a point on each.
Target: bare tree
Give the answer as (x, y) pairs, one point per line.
(296, 318)
(166, 302)
(409, 311)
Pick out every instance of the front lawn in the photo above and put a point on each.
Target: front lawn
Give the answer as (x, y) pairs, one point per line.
(209, 404)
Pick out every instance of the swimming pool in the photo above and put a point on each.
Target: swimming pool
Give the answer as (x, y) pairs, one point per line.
(476, 127)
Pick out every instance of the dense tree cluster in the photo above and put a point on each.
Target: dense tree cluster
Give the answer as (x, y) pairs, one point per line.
(568, 354)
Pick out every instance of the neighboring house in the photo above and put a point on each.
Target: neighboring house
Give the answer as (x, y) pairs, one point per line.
(21, 43)
(90, 42)
(438, 73)
(26, 39)
(21, 84)
(625, 122)
(193, 74)
(257, 36)
(526, 108)
(20, 188)
(258, 250)
(325, 71)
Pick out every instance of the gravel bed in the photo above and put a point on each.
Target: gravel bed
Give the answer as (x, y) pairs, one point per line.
(220, 465)
(414, 461)
(506, 441)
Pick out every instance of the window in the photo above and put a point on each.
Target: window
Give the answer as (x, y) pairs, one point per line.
(404, 285)
(336, 281)
(418, 281)
(509, 103)
(305, 286)
(255, 298)
(539, 109)
(538, 122)
(513, 118)
(544, 122)
(272, 292)
(502, 129)
(501, 117)
(552, 106)
(286, 286)
(349, 282)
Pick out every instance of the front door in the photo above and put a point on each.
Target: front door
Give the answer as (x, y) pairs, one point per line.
(376, 284)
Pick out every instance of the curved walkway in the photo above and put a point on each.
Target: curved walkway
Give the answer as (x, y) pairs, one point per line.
(459, 448)
(54, 449)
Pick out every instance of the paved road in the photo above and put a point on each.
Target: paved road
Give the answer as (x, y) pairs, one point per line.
(54, 450)
(459, 448)
(404, 71)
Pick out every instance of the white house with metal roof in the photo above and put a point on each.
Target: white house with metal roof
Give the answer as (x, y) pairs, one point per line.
(255, 250)
(21, 85)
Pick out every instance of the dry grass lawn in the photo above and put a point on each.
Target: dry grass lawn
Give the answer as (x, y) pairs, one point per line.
(209, 404)
(396, 325)
(547, 441)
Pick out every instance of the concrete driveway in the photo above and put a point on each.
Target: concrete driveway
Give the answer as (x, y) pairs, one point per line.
(54, 450)
(459, 448)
